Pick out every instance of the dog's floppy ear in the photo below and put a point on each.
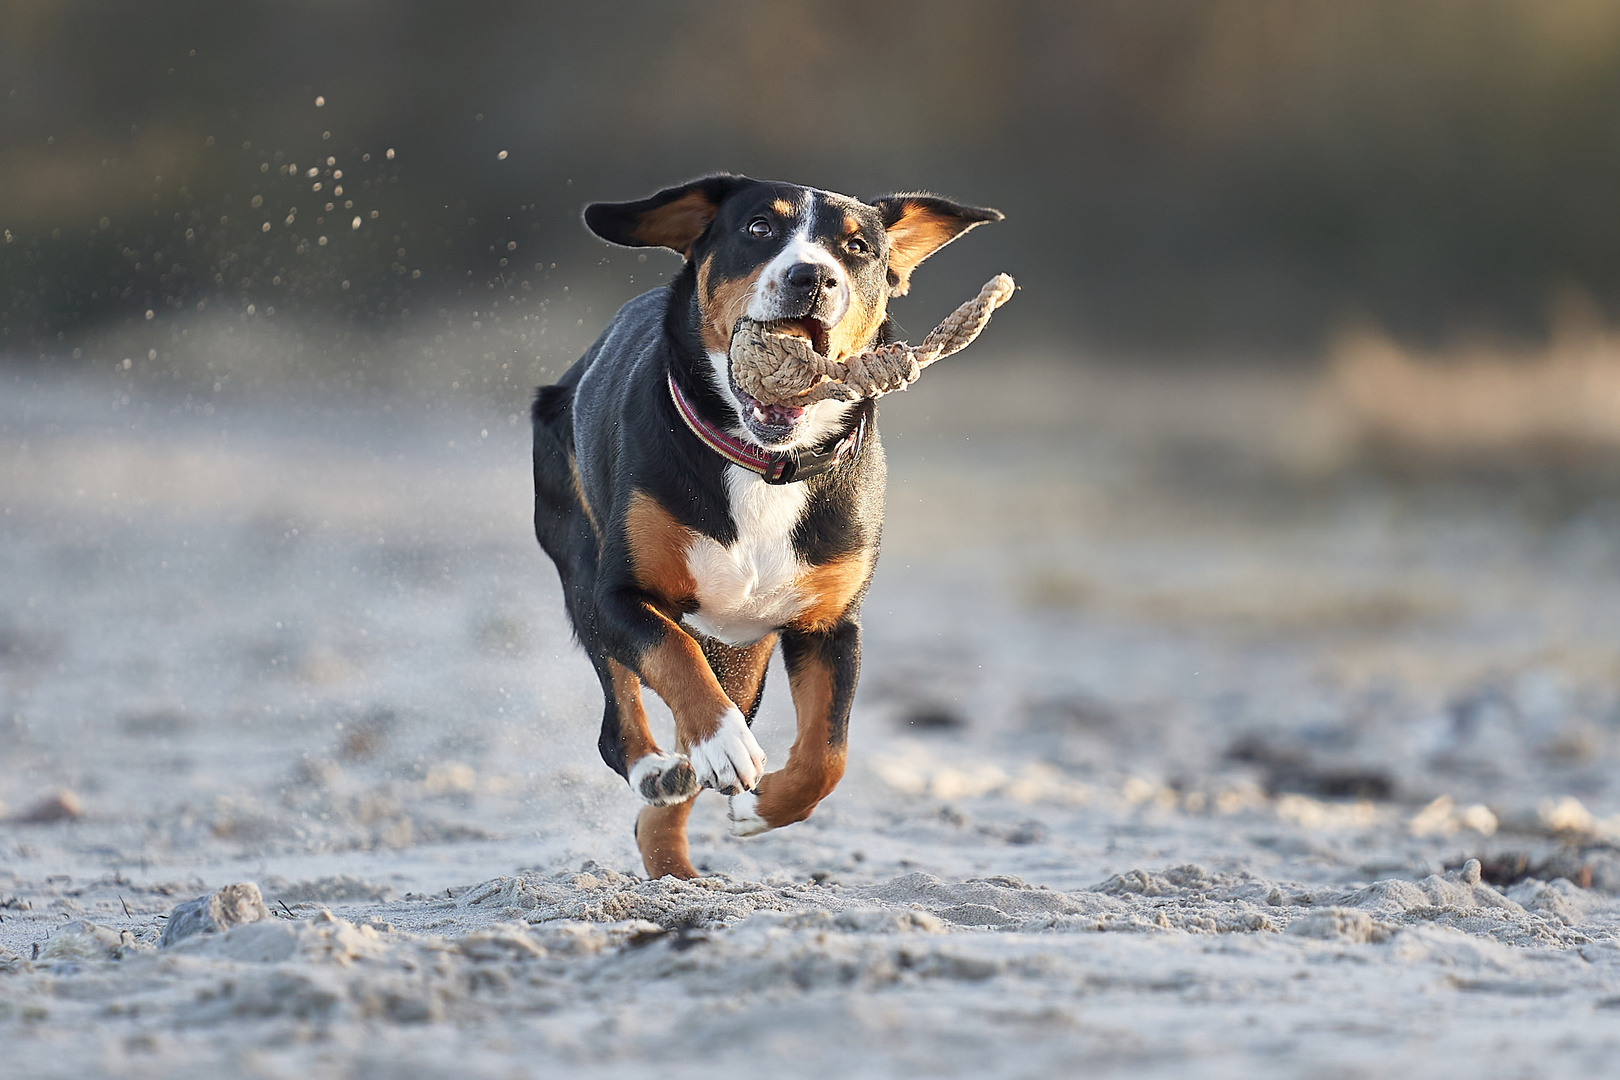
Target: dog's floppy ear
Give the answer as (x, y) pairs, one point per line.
(673, 218)
(919, 225)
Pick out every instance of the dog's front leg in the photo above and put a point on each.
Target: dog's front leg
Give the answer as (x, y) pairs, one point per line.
(823, 668)
(709, 728)
(661, 828)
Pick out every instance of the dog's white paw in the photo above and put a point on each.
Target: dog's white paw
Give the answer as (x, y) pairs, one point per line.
(730, 760)
(744, 813)
(662, 779)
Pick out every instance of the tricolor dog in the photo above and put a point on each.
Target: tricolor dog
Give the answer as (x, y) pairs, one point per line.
(694, 528)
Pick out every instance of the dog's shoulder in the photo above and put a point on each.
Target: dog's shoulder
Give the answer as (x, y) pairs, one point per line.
(623, 428)
(633, 339)
(604, 386)
(627, 335)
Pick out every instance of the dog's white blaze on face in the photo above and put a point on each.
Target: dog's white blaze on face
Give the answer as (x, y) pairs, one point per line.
(824, 418)
(764, 305)
(747, 589)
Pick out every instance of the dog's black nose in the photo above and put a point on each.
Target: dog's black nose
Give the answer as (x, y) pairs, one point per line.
(808, 276)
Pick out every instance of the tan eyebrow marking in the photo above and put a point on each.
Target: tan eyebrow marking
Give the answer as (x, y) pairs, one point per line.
(783, 207)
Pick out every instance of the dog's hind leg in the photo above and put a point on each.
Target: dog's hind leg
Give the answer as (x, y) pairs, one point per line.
(661, 829)
(822, 670)
(661, 836)
(638, 613)
(627, 744)
(567, 530)
(709, 727)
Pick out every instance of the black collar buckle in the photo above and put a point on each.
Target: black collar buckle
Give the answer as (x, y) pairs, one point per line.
(789, 468)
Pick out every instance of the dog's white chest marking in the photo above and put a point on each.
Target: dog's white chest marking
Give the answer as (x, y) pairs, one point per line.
(748, 588)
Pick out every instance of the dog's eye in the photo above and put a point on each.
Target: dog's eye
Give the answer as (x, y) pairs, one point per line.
(760, 227)
(856, 246)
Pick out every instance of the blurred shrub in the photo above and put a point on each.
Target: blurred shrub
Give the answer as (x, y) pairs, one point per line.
(1554, 405)
(1183, 177)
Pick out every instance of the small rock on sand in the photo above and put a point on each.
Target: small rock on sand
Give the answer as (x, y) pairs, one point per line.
(1342, 924)
(60, 806)
(82, 939)
(219, 910)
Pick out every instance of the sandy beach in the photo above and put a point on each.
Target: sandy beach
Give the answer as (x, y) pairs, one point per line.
(1182, 748)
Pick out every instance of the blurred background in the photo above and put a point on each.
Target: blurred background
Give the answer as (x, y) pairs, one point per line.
(1182, 180)
(1274, 526)
(1297, 469)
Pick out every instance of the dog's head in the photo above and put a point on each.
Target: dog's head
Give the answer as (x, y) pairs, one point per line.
(809, 262)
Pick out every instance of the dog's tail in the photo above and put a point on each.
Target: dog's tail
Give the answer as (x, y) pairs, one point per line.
(552, 408)
(555, 486)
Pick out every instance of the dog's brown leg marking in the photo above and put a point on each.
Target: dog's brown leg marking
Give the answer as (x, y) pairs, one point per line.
(814, 764)
(658, 546)
(679, 673)
(829, 589)
(669, 777)
(675, 667)
(741, 670)
(661, 836)
(661, 831)
(634, 734)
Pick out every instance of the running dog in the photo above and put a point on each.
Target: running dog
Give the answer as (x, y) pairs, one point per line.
(695, 528)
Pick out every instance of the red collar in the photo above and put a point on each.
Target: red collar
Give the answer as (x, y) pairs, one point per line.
(776, 468)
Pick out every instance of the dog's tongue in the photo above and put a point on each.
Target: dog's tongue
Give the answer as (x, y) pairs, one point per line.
(777, 415)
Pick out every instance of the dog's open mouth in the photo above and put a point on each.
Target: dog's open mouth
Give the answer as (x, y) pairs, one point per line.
(775, 423)
(769, 423)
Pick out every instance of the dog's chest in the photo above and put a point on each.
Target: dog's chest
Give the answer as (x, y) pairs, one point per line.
(750, 587)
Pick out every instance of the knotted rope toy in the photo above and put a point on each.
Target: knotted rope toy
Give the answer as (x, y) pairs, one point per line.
(776, 368)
